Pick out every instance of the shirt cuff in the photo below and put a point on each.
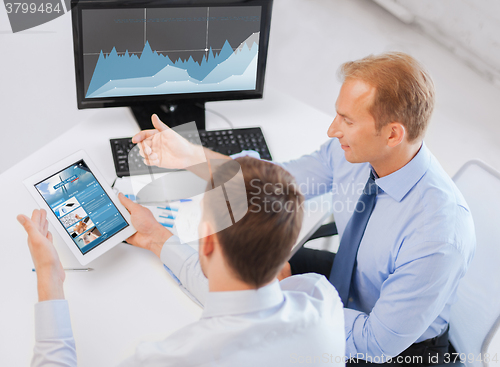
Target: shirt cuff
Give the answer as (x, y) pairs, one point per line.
(52, 320)
(350, 317)
(244, 153)
(174, 254)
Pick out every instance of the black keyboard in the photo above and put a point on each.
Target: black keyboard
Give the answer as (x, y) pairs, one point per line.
(227, 142)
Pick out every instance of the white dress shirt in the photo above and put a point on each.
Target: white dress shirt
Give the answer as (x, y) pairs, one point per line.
(298, 320)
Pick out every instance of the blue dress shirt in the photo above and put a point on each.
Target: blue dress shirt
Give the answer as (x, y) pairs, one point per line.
(417, 246)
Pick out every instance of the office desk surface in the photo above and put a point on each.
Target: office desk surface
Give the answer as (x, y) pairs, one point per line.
(129, 297)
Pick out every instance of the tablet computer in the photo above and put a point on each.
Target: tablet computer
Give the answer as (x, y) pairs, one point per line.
(82, 206)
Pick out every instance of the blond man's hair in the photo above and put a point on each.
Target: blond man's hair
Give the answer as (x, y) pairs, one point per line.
(404, 90)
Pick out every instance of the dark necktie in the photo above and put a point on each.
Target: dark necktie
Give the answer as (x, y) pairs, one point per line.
(343, 265)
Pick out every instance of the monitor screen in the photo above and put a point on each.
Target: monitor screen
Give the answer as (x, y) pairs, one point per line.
(170, 50)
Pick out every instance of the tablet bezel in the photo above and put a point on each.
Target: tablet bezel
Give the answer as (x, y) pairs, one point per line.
(53, 169)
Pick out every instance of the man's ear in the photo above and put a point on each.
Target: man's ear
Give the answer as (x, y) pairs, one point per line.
(206, 242)
(396, 133)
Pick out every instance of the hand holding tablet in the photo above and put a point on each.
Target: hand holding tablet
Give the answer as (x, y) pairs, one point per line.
(150, 235)
(81, 206)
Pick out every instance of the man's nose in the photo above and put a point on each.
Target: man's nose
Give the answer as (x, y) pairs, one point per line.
(333, 130)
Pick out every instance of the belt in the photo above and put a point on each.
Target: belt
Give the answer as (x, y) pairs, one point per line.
(432, 350)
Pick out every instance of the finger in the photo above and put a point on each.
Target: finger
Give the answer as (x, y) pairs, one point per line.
(43, 216)
(35, 218)
(45, 228)
(29, 225)
(21, 218)
(132, 240)
(143, 135)
(127, 203)
(149, 162)
(49, 236)
(141, 150)
(158, 124)
(147, 159)
(43, 222)
(150, 158)
(146, 148)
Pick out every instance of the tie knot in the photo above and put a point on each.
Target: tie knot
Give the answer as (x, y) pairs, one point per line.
(371, 188)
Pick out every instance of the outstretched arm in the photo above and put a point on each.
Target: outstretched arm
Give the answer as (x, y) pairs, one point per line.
(54, 343)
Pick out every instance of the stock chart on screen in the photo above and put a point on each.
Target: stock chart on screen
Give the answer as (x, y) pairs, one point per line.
(130, 52)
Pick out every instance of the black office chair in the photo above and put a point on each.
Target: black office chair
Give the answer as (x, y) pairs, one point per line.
(326, 230)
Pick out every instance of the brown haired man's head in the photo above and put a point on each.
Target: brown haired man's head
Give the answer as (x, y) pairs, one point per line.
(254, 232)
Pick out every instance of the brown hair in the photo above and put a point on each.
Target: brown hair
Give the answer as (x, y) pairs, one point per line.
(404, 90)
(257, 245)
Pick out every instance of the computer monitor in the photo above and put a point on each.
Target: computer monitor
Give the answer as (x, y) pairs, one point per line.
(169, 57)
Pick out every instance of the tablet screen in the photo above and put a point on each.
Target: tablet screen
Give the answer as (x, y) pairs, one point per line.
(82, 206)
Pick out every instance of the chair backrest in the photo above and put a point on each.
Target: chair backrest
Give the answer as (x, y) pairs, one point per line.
(475, 317)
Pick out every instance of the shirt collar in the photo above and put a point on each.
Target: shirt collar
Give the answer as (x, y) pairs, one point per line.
(240, 302)
(399, 183)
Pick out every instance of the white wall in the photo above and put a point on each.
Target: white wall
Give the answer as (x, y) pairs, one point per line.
(311, 38)
(469, 28)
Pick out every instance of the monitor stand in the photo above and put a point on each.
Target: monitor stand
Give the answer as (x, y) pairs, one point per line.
(172, 114)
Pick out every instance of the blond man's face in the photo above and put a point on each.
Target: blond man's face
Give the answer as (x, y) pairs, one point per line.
(354, 126)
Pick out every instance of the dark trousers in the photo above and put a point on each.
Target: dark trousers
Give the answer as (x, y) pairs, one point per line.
(426, 353)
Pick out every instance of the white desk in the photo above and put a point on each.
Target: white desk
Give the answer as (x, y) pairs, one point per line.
(129, 297)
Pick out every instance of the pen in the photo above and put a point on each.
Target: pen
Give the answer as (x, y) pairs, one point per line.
(72, 269)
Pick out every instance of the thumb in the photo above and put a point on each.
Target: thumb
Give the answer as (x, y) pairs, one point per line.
(27, 224)
(22, 219)
(131, 240)
(126, 202)
(158, 124)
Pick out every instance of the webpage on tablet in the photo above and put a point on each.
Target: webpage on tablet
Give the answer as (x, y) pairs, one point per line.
(82, 206)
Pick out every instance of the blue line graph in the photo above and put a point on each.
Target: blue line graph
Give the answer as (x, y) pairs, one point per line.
(155, 73)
